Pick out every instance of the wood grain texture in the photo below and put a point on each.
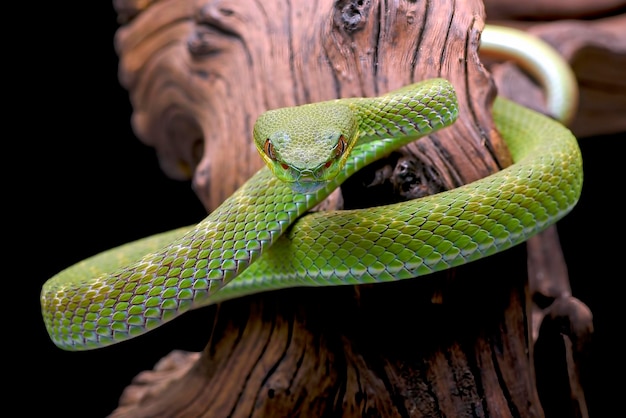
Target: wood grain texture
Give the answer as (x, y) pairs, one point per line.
(199, 73)
(459, 343)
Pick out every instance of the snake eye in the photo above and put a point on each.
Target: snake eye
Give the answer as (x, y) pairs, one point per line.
(341, 146)
(268, 148)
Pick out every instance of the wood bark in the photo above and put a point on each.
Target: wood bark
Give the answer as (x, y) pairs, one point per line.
(459, 343)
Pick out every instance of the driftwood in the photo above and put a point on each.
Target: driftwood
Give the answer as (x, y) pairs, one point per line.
(458, 343)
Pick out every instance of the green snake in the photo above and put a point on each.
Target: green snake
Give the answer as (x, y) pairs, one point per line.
(258, 239)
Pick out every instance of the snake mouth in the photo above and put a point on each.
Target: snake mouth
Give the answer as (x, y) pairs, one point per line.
(307, 186)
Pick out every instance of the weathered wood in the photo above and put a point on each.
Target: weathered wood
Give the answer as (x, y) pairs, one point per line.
(199, 73)
(454, 344)
(542, 10)
(596, 51)
(383, 350)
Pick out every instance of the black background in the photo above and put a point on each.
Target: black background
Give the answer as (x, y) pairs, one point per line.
(86, 183)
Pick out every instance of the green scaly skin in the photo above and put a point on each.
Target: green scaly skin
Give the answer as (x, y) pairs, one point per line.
(101, 301)
(242, 247)
(85, 307)
(433, 233)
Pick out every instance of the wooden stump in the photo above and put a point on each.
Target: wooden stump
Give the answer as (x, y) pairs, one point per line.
(458, 343)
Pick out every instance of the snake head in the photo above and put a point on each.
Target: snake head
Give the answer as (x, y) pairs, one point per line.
(306, 146)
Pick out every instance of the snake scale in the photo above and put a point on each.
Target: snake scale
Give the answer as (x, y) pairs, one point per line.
(258, 239)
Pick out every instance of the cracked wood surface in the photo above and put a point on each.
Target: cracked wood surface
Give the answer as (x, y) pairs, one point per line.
(199, 72)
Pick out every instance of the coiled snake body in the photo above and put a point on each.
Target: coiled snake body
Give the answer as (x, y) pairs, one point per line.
(257, 239)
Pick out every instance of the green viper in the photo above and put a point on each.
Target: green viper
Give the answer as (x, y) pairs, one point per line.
(258, 240)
